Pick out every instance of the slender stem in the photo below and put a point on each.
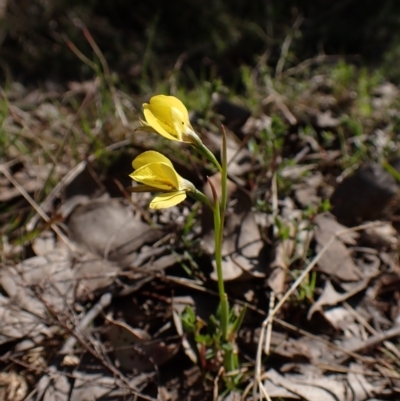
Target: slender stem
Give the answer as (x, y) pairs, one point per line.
(199, 196)
(229, 355)
(209, 155)
(224, 179)
(230, 362)
(218, 262)
(220, 233)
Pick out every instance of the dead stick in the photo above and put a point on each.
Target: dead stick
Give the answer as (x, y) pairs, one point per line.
(44, 381)
(372, 342)
(40, 212)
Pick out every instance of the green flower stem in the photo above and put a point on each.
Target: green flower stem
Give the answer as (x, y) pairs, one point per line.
(198, 195)
(218, 228)
(219, 240)
(218, 235)
(209, 155)
(219, 208)
(224, 179)
(229, 354)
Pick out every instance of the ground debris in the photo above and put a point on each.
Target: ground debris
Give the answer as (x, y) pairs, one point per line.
(312, 385)
(13, 387)
(336, 260)
(363, 195)
(96, 312)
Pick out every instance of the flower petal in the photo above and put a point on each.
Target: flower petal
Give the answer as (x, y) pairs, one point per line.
(142, 188)
(162, 126)
(180, 124)
(151, 156)
(168, 199)
(168, 116)
(157, 175)
(170, 102)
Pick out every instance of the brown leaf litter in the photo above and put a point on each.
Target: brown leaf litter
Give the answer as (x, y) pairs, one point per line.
(101, 319)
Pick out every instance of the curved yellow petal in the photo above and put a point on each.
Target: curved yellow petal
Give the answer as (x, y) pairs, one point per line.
(180, 124)
(161, 125)
(168, 199)
(170, 102)
(157, 175)
(151, 156)
(168, 116)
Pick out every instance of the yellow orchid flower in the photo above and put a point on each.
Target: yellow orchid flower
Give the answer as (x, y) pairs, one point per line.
(168, 116)
(157, 173)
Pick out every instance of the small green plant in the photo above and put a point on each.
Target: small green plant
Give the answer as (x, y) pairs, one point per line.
(342, 75)
(283, 230)
(209, 340)
(167, 116)
(307, 287)
(366, 82)
(311, 211)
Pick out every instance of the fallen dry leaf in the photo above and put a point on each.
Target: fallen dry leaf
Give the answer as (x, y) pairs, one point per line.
(30, 178)
(294, 348)
(33, 287)
(363, 388)
(363, 195)
(307, 387)
(331, 297)
(315, 351)
(135, 350)
(340, 318)
(90, 386)
(383, 236)
(44, 243)
(336, 260)
(16, 322)
(51, 274)
(108, 229)
(306, 192)
(93, 274)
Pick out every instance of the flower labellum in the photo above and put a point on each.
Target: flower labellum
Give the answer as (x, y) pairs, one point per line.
(168, 116)
(157, 173)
